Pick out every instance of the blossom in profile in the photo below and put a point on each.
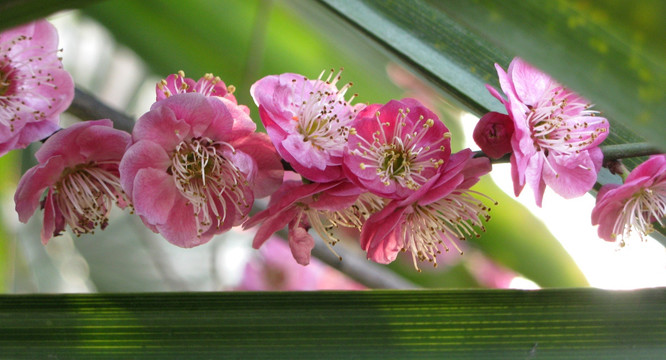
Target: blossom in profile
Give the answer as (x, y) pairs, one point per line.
(79, 168)
(273, 269)
(493, 134)
(307, 120)
(556, 134)
(34, 88)
(634, 205)
(443, 210)
(208, 85)
(394, 149)
(302, 206)
(196, 166)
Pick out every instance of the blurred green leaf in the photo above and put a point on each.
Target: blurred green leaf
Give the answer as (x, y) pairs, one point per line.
(482, 324)
(17, 12)
(209, 36)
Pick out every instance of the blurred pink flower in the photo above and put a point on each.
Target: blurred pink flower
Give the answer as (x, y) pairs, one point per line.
(635, 205)
(79, 167)
(394, 149)
(556, 136)
(196, 166)
(307, 120)
(34, 89)
(493, 134)
(444, 208)
(302, 206)
(275, 270)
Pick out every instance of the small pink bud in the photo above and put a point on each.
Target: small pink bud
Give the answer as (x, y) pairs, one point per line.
(493, 134)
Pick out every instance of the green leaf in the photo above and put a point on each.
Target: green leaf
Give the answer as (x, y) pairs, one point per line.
(546, 324)
(17, 12)
(611, 52)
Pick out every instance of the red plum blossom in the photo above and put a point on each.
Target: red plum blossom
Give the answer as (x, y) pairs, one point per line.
(556, 135)
(79, 167)
(34, 89)
(634, 205)
(394, 149)
(442, 209)
(195, 167)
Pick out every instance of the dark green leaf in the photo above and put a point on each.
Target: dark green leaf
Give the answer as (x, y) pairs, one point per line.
(547, 324)
(17, 12)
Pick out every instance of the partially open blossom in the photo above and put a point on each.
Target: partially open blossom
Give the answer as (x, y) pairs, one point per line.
(395, 148)
(635, 205)
(79, 167)
(307, 120)
(493, 134)
(196, 166)
(34, 89)
(208, 85)
(441, 211)
(556, 135)
(302, 206)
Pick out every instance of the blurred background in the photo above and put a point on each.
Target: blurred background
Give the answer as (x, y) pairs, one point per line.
(119, 50)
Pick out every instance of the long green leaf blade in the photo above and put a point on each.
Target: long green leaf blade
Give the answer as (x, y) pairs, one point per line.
(547, 324)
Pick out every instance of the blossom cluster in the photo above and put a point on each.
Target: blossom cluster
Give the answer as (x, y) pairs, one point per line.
(194, 164)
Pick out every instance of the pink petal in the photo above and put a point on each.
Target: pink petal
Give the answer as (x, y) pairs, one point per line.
(570, 175)
(66, 141)
(103, 143)
(162, 125)
(180, 228)
(376, 237)
(154, 194)
(273, 224)
(269, 166)
(528, 82)
(33, 183)
(301, 244)
(142, 155)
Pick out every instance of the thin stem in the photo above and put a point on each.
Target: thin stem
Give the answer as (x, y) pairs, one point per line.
(86, 106)
(611, 152)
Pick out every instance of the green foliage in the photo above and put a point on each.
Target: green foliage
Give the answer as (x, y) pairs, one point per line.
(472, 324)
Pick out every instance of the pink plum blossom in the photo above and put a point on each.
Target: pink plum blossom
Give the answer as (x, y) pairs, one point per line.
(196, 166)
(79, 167)
(442, 209)
(307, 121)
(274, 269)
(209, 85)
(556, 135)
(635, 205)
(394, 149)
(34, 89)
(302, 206)
(493, 134)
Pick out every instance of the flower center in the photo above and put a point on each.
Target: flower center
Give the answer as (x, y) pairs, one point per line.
(323, 116)
(209, 181)
(452, 217)
(4, 82)
(401, 157)
(563, 124)
(639, 212)
(85, 195)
